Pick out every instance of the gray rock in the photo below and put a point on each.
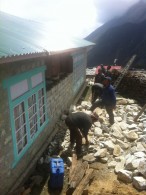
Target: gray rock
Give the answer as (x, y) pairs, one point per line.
(101, 153)
(117, 150)
(132, 126)
(98, 111)
(112, 164)
(142, 167)
(125, 176)
(118, 134)
(89, 158)
(123, 126)
(120, 165)
(101, 138)
(128, 108)
(139, 183)
(113, 140)
(136, 173)
(132, 163)
(131, 101)
(97, 131)
(133, 149)
(97, 124)
(122, 144)
(131, 135)
(85, 104)
(118, 119)
(93, 148)
(116, 127)
(139, 154)
(105, 128)
(109, 145)
(129, 158)
(129, 121)
(104, 160)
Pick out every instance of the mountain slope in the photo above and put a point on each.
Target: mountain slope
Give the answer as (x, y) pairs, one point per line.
(120, 38)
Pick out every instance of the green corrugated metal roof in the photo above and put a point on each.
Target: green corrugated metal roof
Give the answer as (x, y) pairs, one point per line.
(19, 36)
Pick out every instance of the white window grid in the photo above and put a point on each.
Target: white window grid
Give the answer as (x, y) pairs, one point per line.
(42, 106)
(32, 111)
(20, 127)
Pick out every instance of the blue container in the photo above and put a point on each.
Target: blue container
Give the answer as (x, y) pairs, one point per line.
(56, 173)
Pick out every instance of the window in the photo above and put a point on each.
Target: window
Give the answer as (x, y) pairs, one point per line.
(32, 113)
(20, 127)
(41, 106)
(28, 113)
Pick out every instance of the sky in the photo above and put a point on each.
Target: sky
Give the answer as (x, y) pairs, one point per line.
(70, 17)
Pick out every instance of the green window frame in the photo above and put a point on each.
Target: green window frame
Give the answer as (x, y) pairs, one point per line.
(28, 109)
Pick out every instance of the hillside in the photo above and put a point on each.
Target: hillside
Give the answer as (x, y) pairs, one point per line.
(120, 38)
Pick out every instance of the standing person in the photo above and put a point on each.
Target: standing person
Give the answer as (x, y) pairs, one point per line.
(99, 77)
(79, 124)
(97, 87)
(108, 72)
(103, 69)
(108, 99)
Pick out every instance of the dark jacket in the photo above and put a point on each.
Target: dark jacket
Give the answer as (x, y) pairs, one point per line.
(108, 96)
(80, 120)
(99, 78)
(108, 73)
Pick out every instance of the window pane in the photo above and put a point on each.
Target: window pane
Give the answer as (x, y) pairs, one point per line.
(41, 93)
(41, 107)
(18, 110)
(19, 146)
(20, 126)
(32, 111)
(18, 89)
(36, 79)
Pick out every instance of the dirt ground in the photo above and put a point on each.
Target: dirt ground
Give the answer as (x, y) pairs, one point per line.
(104, 183)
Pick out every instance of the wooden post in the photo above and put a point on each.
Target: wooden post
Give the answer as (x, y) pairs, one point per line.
(142, 110)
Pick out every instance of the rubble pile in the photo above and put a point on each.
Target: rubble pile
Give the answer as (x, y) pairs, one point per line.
(133, 85)
(122, 146)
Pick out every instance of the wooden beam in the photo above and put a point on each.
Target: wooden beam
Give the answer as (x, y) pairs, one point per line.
(141, 111)
(84, 182)
(73, 166)
(78, 174)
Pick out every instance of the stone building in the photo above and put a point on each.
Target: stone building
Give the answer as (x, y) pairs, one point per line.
(39, 77)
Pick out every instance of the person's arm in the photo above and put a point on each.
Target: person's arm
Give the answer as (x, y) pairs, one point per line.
(72, 137)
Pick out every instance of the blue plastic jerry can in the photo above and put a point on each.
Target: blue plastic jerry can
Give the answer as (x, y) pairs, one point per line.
(56, 173)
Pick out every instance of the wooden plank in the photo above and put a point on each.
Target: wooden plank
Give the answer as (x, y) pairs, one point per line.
(84, 182)
(141, 111)
(78, 174)
(73, 166)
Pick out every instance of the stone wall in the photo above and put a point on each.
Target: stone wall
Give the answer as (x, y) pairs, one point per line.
(133, 85)
(9, 175)
(59, 97)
